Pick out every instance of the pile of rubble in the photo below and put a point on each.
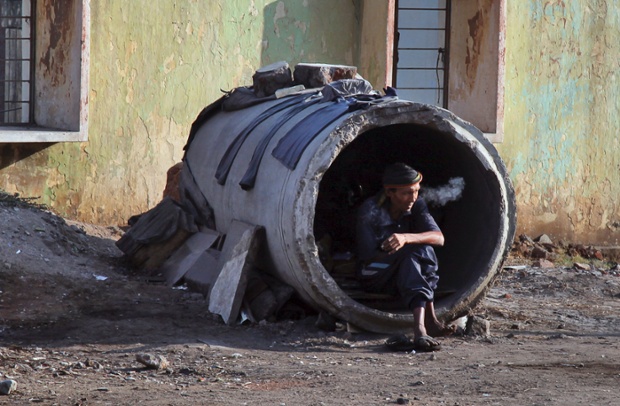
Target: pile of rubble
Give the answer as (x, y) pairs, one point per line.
(544, 253)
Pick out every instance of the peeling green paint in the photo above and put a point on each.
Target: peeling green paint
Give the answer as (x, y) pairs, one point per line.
(562, 126)
(154, 66)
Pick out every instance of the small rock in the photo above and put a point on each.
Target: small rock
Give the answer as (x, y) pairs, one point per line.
(313, 75)
(402, 401)
(7, 386)
(581, 266)
(477, 326)
(543, 263)
(538, 252)
(152, 361)
(543, 239)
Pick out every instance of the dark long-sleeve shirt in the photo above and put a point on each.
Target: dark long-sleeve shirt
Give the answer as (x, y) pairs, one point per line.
(375, 225)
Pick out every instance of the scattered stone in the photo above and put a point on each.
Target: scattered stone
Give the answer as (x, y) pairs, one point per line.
(581, 266)
(516, 326)
(7, 386)
(477, 326)
(152, 361)
(402, 401)
(558, 336)
(538, 252)
(543, 263)
(526, 239)
(583, 251)
(268, 79)
(93, 364)
(543, 239)
(313, 75)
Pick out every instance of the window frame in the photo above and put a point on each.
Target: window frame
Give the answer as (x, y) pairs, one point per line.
(70, 125)
(492, 105)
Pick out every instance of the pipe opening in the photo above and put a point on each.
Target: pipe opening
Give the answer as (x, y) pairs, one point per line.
(471, 224)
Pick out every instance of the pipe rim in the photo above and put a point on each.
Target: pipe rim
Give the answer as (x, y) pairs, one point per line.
(321, 285)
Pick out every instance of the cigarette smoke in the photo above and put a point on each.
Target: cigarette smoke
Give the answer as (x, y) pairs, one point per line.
(440, 195)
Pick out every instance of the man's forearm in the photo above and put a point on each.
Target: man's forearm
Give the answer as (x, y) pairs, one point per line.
(397, 241)
(429, 237)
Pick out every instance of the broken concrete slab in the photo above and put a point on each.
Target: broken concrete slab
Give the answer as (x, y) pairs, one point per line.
(204, 272)
(187, 254)
(238, 254)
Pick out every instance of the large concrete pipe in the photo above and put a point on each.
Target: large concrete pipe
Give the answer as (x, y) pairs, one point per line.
(340, 166)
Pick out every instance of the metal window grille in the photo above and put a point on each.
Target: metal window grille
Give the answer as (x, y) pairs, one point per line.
(421, 57)
(16, 62)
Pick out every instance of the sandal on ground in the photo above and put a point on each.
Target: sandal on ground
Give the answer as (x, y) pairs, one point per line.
(426, 344)
(400, 342)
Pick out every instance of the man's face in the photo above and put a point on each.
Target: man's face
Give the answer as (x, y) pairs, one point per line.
(403, 198)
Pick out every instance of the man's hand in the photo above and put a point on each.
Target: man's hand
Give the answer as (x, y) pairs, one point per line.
(394, 243)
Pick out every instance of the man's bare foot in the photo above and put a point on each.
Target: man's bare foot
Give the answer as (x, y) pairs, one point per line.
(436, 328)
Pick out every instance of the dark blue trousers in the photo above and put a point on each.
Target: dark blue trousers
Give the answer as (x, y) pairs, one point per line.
(410, 272)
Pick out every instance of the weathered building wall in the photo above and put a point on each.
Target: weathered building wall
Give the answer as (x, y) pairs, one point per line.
(154, 66)
(376, 39)
(562, 121)
(561, 135)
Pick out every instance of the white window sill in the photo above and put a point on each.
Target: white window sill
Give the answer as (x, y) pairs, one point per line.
(22, 135)
(495, 138)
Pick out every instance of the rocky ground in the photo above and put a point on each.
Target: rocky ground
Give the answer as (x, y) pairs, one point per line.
(74, 318)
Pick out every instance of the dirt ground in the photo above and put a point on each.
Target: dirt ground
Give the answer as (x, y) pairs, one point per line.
(74, 317)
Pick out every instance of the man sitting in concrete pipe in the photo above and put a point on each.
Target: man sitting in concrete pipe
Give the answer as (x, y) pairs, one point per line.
(395, 234)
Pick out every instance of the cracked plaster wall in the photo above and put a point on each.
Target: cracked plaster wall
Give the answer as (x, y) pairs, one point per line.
(562, 126)
(154, 66)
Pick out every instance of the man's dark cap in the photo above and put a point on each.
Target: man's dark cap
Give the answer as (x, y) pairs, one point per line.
(399, 175)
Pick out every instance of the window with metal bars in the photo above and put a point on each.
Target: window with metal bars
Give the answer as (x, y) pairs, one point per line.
(16, 66)
(420, 71)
